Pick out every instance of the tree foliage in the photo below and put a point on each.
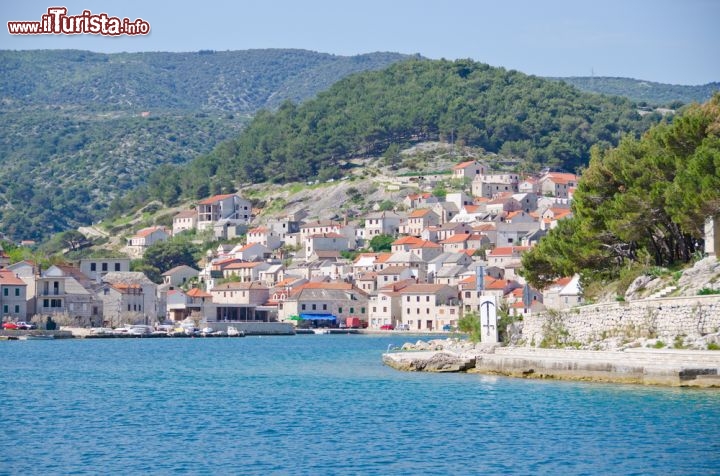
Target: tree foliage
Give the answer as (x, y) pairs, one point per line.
(370, 113)
(645, 200)
(165, 255)
(381, 243)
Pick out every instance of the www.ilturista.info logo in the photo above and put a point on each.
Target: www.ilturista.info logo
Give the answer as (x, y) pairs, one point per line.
(58, 22)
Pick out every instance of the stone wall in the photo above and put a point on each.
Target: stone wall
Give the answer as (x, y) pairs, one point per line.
(666, 318)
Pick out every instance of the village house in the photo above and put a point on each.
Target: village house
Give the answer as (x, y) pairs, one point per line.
(184, 221)
(129, 297)
(405, 243)
(411, 260)
(385, 308)
(556, 184)
(96, 268)
(139, 242)
(244, 271)
(447, 230)
(460, 199)
(393, 274)
(552, 216)
(179, 275)
(468, 170)
(457, 243)
(13, 297)
(240, 302)
(324, 304)
(506, 256)
(265, 236)
(449, 260)
(65, 290)
(381, 262)
(564, 293)
(325, 242)
(529, 185)
(285, 225)
(471, 297)
(27, 272)
(320, 227)
(367, 281)
(490, 185)
(418, 220)
(181, 305)
(222, 207)
(274, 273)
(280, 292)
(446, 211)
(512, 233)
(364, 262)
(420, 200)
(428, 307)
(250, 252)
(382, 223)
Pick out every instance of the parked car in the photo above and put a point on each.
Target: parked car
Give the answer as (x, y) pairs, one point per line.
(10, 326)
(448, 328)
(387, 327)
(25, 325)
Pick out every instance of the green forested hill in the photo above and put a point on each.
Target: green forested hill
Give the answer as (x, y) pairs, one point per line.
(657, 94)
(548, 122)
(231, 81)
(73, 136)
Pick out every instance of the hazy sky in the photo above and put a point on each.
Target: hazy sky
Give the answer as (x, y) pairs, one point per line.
(670, 41)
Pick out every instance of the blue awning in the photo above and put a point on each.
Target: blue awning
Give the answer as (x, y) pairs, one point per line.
(317, 317)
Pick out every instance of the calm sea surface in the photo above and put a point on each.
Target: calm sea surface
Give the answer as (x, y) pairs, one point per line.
(325, 405)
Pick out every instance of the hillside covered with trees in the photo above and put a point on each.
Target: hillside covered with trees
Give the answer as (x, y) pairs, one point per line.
(547, 123)
(638, 205)
(81, 128)
(651, 93)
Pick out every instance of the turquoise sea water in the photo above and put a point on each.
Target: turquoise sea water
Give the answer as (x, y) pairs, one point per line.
(325, 405)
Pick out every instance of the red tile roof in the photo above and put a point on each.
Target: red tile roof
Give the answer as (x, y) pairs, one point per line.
(508, 250)
(198, 293)
(462, 165)
(407, 240)
(7, 277)
(215, 199)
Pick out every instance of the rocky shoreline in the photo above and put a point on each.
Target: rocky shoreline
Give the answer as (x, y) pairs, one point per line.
(667, 367)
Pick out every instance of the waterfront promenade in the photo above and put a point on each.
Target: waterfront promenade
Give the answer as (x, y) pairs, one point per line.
(670, 367)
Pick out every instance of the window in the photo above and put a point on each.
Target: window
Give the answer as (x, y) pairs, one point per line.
(5, 291)
(5, 308)
(427, 298)
(302, 307)
(128, 307)
(104, 267)
(362, 310)
(324, 307)
(93, 266)
(384, 309)
(417, 298)
(339, 310)
(314, 307)
(117, 266)
(352, 310)
(417, 311)
(374, 309)
(427, 310)
(17, 291)
(467, 294)
(17, 309)
(408, 310)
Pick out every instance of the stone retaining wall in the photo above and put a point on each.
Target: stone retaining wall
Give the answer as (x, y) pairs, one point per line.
(663, 318)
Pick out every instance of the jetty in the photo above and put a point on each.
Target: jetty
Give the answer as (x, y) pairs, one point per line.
(667, 367)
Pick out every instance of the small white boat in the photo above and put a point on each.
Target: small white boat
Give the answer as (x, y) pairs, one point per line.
(321, 331)
(233, 331)
(37, 337)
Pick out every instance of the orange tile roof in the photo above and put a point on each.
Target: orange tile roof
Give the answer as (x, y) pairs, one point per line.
(259, 229)
(148, 231)
(490, 283)
(407, 240)
(198, 293)
(425, 244)
(462, 165)
(186, 214)
(7, 277)
(507, 250)
(472, 208)
(383, 257)
(419, 213)
(243, 265)
(215, 199)
(457, 238)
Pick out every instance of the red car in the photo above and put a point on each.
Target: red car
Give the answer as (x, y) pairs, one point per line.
(10, 326)
(387, 327)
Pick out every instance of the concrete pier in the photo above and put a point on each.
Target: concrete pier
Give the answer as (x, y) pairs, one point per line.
(669, 367)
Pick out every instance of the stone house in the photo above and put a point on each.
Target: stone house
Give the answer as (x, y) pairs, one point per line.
(385, 307)
(179, 275)
(222, 207)
(324, 303)
(468, 170)
(96, 268)
(421, 304)
(382, 223)
(184, 220)
(13, 297)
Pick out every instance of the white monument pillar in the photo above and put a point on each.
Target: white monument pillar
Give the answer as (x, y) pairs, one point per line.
(488, 320)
